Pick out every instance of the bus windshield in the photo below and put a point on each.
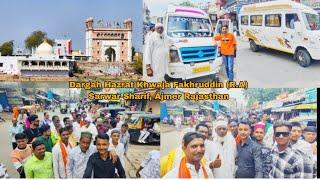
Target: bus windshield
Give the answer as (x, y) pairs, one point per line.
(312, 21)
(179, 26)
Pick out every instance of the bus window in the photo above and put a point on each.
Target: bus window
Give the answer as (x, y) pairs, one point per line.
(273, 20)
(290, 19)
(256, 20)
(244, 20)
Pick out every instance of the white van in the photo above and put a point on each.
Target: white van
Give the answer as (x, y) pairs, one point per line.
(282, 25)
(198, 56)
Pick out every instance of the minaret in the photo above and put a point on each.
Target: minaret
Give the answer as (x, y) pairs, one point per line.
(89, 36)
(128, 25)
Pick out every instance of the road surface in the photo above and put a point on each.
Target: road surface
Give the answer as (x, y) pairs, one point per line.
(271, 69)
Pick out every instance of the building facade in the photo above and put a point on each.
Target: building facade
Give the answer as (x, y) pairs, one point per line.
(62, 47)
(109, 43)
(44, 62)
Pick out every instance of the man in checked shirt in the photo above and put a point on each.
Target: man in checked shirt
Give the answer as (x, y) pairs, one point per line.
(287, 162)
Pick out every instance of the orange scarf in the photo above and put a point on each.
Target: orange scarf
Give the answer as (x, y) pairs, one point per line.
(184, 172)
(64, 155)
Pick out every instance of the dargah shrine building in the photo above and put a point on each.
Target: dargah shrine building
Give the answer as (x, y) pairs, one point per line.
(109, 43)
(43, 62)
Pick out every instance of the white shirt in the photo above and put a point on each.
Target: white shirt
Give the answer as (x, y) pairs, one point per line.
(76, 130)
(156, 54)
(119, 124)
(119, 151)
(194, 174)
(303, 146)
(227, 153)
(58, 164)
(92, 129)
(77, 161)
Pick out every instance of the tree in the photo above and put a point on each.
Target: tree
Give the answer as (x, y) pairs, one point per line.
(137, 64)
(6, 48)
(187, 4)
(35, 39)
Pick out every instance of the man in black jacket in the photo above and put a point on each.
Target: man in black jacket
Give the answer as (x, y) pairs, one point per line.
(100, 164)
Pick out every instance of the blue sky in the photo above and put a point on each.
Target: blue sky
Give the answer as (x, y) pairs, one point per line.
(65, 18)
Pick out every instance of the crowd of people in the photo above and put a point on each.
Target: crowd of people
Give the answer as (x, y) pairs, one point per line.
(252, 147)
(79, 146)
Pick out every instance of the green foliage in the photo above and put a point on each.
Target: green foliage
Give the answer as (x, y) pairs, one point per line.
(138, 64)
(264, 95)
(6, 48)
(187, 4)
(35, 39)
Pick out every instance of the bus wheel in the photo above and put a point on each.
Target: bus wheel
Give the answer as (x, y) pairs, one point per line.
(303, 58)
(253, 46)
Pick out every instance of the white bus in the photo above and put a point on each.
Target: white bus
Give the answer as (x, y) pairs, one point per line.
(199, 56)
(282, 25)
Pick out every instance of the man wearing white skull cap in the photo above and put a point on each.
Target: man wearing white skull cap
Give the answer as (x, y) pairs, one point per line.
(89, 127)
(156, 55)
(225, 147)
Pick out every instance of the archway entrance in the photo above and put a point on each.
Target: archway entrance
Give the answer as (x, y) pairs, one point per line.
(110, 55)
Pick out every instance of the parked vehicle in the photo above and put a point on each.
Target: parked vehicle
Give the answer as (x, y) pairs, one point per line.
(282, 25)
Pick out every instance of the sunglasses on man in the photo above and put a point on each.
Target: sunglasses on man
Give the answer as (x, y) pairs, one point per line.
(284, 134)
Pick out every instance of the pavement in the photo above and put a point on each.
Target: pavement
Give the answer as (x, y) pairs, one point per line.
(170, 138)
(269, 69)
(6, 146)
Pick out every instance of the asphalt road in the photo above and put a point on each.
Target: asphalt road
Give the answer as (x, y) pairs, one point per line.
(270, 69)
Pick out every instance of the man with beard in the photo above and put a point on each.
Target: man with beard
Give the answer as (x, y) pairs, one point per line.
(258, 135)
(40, 164)
(33, 131)
(211, 157)
(156, 54)
(191, 166)
(249, 154)
(224, 146)
(21, 153)
(79, 156)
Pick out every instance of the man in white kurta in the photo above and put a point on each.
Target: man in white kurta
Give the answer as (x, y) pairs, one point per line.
(156, 54)
(90, 127)
(59, 163)
(117, 146)
(224, 145)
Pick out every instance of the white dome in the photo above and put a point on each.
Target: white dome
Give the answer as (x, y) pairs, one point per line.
(45, 49)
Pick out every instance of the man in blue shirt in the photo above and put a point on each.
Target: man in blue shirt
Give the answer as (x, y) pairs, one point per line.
(248, 158)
